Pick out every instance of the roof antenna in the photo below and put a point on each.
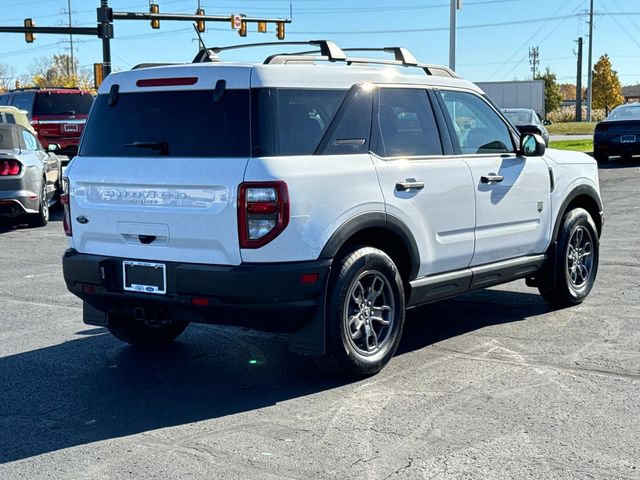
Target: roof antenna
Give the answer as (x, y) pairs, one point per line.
(291, 10)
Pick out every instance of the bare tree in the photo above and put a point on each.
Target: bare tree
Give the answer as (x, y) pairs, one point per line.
(7, 77)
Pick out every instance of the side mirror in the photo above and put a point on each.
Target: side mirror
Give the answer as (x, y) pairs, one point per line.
(53, 147)
(532, 145)
(547, 122)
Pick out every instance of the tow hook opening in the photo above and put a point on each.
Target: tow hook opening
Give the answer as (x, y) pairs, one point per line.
(151, 316)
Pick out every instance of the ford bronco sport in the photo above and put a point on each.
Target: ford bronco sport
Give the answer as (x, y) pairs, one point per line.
(320, 194)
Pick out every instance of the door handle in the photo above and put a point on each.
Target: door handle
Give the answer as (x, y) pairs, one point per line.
(491, 178)
(409, 184)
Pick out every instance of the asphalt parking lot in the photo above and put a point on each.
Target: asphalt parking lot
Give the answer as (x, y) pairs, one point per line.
(490, 385)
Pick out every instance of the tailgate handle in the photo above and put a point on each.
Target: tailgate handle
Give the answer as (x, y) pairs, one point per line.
(146, 239)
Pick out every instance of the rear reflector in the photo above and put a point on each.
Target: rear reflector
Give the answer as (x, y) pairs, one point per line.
(309, 278)
(166, 82)
(89, 289)
(200, 301)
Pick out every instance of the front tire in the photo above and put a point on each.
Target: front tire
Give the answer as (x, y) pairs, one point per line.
(365, 314)
(135, 332)
(576, 265)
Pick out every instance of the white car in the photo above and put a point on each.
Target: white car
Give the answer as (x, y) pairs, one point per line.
(316, 194)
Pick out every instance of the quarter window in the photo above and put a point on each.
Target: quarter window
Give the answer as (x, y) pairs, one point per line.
(407, 126)
(30, 141)
(479, 129)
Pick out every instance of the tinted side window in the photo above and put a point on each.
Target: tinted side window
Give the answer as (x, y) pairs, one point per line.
(407, 126)
(479, 129)
(7, 118)
(352, 129)
(292, 121)
(24, 101)
(4, 99)
(30, 141)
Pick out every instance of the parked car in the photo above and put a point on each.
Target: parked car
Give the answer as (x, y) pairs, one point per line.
(618, 134)
(15, 115)
(527, 120)
(57, 114)
(29, 176)
(319, 195)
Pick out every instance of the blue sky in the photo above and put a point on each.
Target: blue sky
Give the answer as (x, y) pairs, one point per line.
(494, 36)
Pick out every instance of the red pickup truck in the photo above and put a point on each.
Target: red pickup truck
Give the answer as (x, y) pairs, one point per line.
(57, 114)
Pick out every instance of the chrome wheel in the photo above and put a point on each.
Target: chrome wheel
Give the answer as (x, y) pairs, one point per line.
(579, 262)
(369, 312)
(44, 203)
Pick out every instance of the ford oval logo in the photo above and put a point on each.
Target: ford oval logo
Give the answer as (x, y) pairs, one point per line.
(82, 219)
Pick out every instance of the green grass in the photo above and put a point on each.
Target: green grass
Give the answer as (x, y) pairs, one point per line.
(572, 128)
(575, 145)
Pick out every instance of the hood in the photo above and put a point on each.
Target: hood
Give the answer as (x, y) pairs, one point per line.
(567, 156)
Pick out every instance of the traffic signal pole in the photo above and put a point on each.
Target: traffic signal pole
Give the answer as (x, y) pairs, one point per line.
(106, 16)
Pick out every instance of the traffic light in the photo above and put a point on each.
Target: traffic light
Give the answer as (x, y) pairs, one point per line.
(243, 29)
(200, 23)
(280, 31)
(29, 36)
(262, 27)
(154, 8)
(98, 74)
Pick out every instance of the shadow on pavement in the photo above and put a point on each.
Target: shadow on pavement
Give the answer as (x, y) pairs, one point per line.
(95, 388)
(616, 162)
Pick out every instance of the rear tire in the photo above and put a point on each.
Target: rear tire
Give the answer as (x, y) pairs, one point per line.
(135, 332)
(41, 218)
(576, 265)
(365, 314)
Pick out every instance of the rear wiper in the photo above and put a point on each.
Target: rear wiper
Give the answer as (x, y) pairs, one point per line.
(162, 147)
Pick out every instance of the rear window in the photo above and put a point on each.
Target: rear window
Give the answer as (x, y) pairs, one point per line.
(625, 113)
(51, 103)
(176, 123)
(293, 121)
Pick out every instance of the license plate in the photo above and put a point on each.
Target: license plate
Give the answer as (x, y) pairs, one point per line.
(627, 139)
(70, 127)
(144, 277)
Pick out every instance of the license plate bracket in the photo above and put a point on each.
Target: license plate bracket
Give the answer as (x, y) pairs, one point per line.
(628, 139)
(144, 277)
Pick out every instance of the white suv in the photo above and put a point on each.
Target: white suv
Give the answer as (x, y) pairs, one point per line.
(314, 194)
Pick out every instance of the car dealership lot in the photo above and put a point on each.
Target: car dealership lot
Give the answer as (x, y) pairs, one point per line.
(490, 385)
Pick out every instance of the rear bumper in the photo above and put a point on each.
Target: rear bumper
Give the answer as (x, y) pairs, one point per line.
(268, 297)
(613, 147)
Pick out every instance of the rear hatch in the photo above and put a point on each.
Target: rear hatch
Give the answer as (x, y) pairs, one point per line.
(159, 166)
(60, 115)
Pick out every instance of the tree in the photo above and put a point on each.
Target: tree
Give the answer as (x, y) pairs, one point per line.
(57, 71)
(7, 75)
(568, 91)
(552, 94)
(607, 91)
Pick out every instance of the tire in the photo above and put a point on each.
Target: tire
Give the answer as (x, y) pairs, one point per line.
(601, 158)
(41, 218)
(135, 332)
(365, 314)
(576, 265)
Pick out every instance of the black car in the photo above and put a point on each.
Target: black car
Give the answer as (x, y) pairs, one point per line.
(618, 134)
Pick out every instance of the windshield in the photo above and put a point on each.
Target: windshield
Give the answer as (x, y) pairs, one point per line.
(50, 103)
(625, 113)
(176, 124)
(520, 117)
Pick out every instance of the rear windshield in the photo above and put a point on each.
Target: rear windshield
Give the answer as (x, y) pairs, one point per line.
(176, 123)
(625, 113)
(50, 103)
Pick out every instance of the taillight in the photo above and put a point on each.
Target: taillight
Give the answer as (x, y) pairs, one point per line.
(263, 212)
(64, 200)
(10, 168)
(602, 127)
(35, 122)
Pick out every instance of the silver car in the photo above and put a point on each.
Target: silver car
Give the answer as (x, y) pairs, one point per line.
(29, 176)
(527, 120)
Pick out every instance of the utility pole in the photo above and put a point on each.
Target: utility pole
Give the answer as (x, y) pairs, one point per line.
(579, 83)
(590, 74)
(455, 5)
(73, 65)
(534, 60)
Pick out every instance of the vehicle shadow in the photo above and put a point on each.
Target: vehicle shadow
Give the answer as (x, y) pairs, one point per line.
(95, 388)
(7, 225)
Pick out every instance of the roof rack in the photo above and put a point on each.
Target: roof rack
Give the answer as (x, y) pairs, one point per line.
(330, 52)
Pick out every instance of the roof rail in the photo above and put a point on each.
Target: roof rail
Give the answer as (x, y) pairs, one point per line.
(330, 52)
(22, 89)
